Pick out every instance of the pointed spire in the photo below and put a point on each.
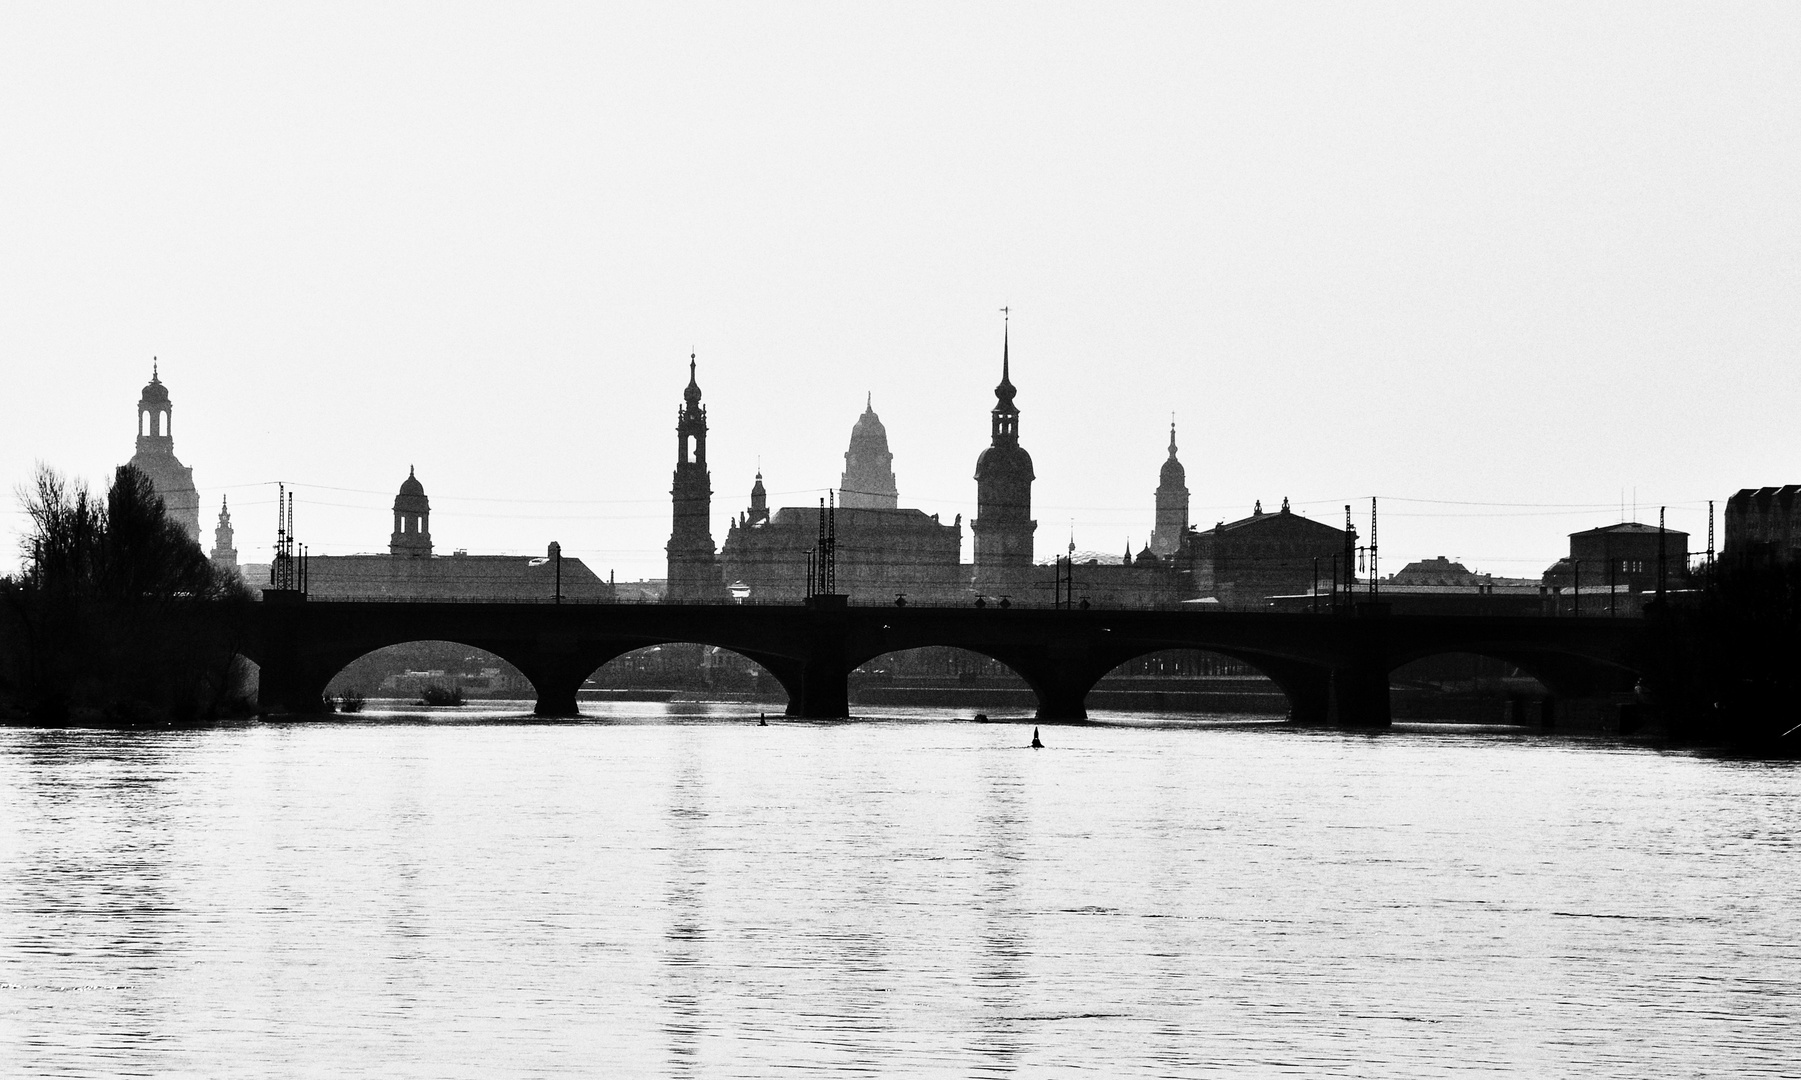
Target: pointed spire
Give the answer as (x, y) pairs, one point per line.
(154, 374)
(1172, 436)
(1005, 391)
(869, 401)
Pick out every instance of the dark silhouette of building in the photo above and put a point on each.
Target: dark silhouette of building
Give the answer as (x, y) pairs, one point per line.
(868, 481)
(1624, 558)
(1172, 503)
(155, 457)
(1764, 523)
(881, 554)
(1438, 571)
(224, 555)
(1244, 563)
(1003, 524)
(693, 560)
(412, 520)
(884, 551)
(409, 571)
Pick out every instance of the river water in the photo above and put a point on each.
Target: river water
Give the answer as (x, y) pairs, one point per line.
(676, 891)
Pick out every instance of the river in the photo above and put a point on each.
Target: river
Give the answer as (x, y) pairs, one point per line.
(675, 891)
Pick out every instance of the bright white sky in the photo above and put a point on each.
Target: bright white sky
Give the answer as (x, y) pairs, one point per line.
(1505, 266)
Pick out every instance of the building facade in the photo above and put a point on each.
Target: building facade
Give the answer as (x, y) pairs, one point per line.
(1629, 557)
(694, 576)
(409, 571)
(1243, 563)
(1764, 523)
(155, 457)
(884, 551)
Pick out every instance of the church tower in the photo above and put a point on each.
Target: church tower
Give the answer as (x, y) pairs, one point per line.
(1172, 503)
(759, 502)
(693, 561)
(224, 556)
(412, 520)
(868, 482)
(156, 459)
(1003, 525)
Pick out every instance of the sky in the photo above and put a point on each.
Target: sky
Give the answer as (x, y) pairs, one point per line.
(1516, 270)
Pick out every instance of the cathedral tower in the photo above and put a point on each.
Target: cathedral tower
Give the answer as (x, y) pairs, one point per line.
(868, 481)
(1172, 503)
(1003, 525)
(225, 556)
(693, 561)
(412, 520)
(156, 459)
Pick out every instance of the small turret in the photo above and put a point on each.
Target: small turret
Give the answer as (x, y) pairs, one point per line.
(224, 555)
(412, 520)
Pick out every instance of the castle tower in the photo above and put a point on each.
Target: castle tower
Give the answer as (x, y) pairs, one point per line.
(1003, 524)
(412, 520)
(155, 457)
(759, 502)
(224, 556)
(693, 561)
(1172, 503)
(868, 481)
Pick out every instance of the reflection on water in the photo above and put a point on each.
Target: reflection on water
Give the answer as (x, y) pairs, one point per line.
(672, 890)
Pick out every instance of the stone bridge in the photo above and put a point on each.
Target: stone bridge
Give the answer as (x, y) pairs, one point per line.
(1333, 667)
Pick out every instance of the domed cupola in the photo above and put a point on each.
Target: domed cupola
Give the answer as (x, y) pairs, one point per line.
(155, 456)
(1172, 474)
(154, 390)
(868, 481)
(412, 519)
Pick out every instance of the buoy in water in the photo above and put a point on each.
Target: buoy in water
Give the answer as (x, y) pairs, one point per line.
(981, 718)
(1036, 745)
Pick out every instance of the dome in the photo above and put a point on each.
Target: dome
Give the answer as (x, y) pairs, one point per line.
(1005, 461)
(411, 485)
(868, 436)
(1173, 475)
(154, 390)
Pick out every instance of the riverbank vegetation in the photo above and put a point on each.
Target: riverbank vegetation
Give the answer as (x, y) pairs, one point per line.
(118, 618)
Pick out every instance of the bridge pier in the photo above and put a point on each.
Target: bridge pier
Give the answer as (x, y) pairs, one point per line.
(556, 679)
(824, 681)
(1360, 696)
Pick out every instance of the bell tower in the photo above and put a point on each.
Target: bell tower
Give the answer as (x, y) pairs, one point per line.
(412, 520)
(693, 560)
(1003, 524)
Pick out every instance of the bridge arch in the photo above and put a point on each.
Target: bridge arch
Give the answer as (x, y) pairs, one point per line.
(696, 665)
(301, 684)
(1191, 678)
(947, 676)
(406, 668)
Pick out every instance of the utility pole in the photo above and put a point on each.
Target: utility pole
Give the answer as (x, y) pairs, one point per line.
(1710, 543)
(1662, 558)
(1374, 588)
